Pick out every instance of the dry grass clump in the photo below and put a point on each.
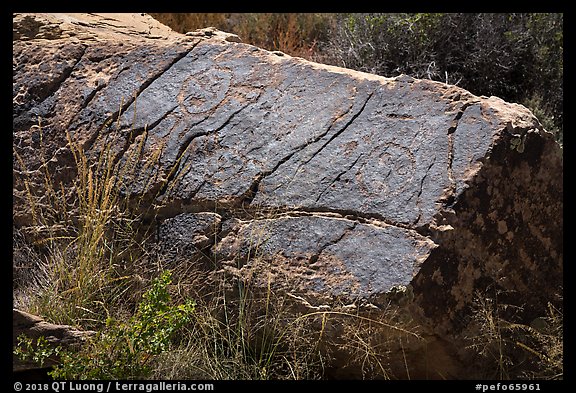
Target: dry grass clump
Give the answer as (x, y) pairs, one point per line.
(79, 243)
(514, 350)
(296, 34)
(246, 332)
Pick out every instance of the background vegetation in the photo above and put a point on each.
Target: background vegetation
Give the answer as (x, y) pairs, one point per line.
(515, 56)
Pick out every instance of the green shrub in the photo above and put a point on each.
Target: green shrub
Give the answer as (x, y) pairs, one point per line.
(122, 350)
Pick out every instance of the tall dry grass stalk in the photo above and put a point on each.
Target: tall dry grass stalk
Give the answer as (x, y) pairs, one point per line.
(81, 238)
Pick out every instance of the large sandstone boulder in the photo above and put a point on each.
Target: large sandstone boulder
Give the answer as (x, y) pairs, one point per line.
(352, 187)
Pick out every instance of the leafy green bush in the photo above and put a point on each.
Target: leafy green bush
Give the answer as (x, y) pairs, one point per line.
(123, 350)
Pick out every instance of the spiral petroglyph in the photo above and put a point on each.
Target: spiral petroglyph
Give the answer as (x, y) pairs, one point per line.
(204, 90)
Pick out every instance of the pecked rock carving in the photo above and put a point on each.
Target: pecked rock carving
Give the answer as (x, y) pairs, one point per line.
(350, 185)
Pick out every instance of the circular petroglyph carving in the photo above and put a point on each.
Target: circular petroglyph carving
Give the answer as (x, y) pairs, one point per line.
(388, 173)
(204, 90)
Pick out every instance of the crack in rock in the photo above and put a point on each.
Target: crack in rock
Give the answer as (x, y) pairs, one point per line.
(123, 108)
(449, 195)
(338, 177)
(178, 165)
(254, 187)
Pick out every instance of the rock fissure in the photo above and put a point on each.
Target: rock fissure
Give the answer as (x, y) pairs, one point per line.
(422, 188)
(101, 83)
(259, 178)
(449, 196)
(247, 213)
(458, 116)
(450, 162)
(255, 186)
(314, 258)
(341, 131)
(92, 94)
(55, 86)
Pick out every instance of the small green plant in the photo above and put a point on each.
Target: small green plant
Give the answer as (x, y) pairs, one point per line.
(123, 350)
(39, 352)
